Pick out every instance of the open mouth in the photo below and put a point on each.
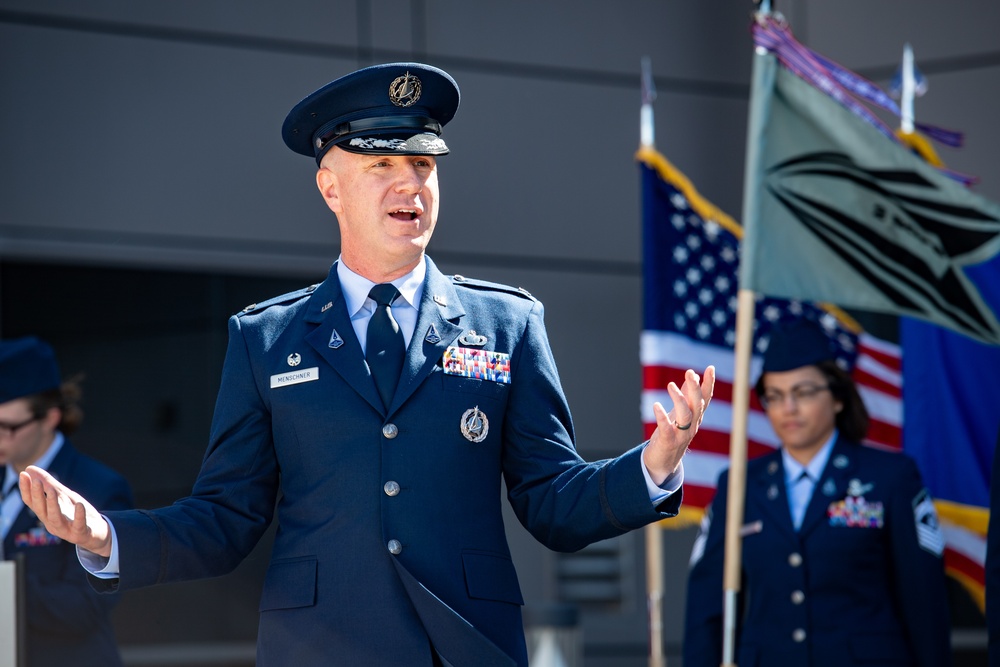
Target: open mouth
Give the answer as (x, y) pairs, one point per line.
(405, 214)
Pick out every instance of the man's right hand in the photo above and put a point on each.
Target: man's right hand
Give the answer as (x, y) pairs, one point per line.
(64, 512)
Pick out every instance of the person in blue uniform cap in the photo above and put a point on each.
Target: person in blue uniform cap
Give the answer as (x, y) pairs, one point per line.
(67, 621)
(362, 416)
(841, 549)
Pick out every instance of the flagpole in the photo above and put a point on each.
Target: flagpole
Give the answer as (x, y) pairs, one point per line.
(736, 493)
(762, 81)
(653, 532)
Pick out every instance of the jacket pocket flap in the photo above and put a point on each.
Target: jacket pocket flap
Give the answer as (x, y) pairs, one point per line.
(490, 576)
(289, 584)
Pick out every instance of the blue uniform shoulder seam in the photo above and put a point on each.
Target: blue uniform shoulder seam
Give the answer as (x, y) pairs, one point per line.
(284, 298)
(474, 283)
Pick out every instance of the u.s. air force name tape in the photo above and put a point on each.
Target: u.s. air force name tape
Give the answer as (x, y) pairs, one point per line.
(295, 377)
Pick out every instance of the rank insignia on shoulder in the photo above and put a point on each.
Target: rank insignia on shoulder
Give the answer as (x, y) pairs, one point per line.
(930, 537)
(335, 340)
(480, 364)
(474, 425)
(470, 337)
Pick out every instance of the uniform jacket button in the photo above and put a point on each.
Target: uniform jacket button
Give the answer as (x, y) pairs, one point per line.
(799, 635)
(390, 431)
(391, 488)
(794, 559)
(395, 548)
(798, 597)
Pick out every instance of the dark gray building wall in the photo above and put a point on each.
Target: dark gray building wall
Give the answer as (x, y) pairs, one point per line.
(145, 136)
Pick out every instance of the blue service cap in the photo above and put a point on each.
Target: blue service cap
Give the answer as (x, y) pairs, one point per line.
(391, 109)
(795, 344)
(27, 366)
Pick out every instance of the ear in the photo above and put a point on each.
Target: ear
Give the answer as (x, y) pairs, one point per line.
(326, 181)
(52, 419)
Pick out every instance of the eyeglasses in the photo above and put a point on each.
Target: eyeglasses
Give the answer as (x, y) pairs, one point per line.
(10, 430)
(799, 394)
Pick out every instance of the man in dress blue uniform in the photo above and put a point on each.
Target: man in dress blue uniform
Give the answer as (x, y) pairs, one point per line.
(68, 623)
(841, 550)
(390, 546)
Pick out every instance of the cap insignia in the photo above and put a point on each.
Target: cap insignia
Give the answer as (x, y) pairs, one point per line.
(405, 90)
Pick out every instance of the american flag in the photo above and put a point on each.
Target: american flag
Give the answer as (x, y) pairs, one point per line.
(690, 260)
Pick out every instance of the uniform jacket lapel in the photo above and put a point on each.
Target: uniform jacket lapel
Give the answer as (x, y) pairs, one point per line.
(441, 309)
(772, 496)
(832, 485)
(327, 310)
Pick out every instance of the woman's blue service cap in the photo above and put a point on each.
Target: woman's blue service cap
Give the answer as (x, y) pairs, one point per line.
(27, 367)
(795, 344)
(391, 109)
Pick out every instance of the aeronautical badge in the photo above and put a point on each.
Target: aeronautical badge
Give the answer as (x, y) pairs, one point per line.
(472, 338)
(294, 359)
(856, 488)
(475, 426)
(929, 534)
(856, 512)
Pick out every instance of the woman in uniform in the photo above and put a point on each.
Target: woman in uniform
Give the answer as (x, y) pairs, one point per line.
(841, 549)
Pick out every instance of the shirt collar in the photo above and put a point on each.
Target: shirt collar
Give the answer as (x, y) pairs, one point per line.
(43, 462)
(356, 287)
(794, 469)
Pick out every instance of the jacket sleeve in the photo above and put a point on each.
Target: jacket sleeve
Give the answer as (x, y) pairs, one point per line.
(703, 612)
(562, 500)
(918, 569)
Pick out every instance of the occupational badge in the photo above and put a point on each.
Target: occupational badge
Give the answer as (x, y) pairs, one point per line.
(475, 426)
(772, 492)
(432, 336)
(829, 488)
(294, 359)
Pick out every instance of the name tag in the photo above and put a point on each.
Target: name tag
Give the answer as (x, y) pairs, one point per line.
(295, 377)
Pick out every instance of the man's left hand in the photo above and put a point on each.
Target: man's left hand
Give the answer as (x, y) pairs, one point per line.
(675, 430)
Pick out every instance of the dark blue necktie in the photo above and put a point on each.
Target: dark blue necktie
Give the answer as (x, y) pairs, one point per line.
(384, 348)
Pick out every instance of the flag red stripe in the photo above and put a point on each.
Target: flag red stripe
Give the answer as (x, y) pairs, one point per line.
(887, 359)
(959, 562)
(868, 380)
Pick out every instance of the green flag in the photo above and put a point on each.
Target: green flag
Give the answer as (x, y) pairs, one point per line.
(835, 210)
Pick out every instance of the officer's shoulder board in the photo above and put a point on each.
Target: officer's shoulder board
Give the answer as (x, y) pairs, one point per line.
(473, 283)
(290, 297)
